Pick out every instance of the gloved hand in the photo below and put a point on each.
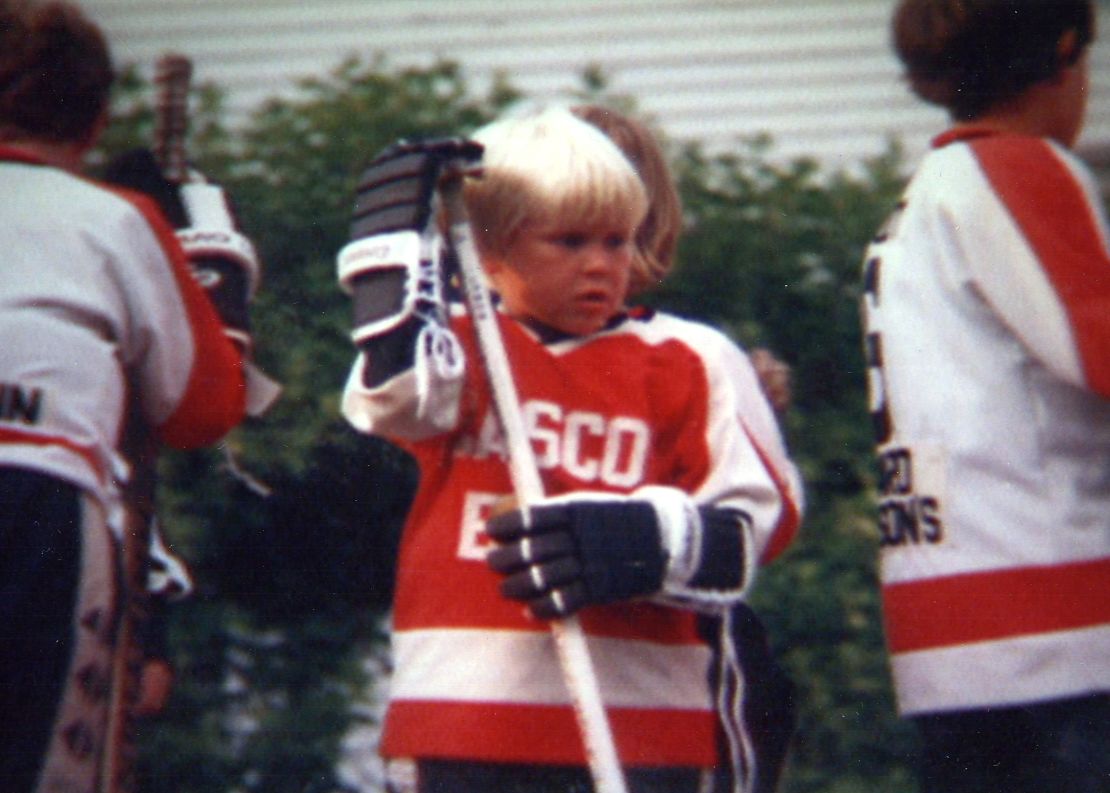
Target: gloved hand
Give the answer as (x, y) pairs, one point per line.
(564, 554)
(588, 548)
(222, 259)
(393, 267)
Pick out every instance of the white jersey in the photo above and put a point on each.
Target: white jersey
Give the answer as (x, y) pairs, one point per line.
(987, 314)
(98, 313)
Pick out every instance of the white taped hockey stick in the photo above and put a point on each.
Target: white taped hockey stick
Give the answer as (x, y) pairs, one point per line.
(570, 640)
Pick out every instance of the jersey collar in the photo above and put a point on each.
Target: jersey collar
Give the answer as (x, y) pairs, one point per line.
(964, 133)
(12, 154)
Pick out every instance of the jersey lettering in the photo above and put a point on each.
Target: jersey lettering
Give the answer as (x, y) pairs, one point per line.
(474, 543)
(905, 518)
(20, 404)
(589, 446)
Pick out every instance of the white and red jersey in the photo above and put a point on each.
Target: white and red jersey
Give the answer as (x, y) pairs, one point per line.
(987, 313)
(652, 400)
(98, 311)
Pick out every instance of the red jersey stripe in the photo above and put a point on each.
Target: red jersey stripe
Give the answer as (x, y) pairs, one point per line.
(545, 734)
(997, 604)
(1049, 207)
(87, 453)
(787, 527)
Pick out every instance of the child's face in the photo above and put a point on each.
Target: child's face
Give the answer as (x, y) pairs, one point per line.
(570, 277)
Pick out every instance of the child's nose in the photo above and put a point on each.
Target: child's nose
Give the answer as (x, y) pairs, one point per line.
(599, 258)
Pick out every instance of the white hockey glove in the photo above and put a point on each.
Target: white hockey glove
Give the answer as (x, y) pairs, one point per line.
(393, 267)
(222, 260)
(589, 548)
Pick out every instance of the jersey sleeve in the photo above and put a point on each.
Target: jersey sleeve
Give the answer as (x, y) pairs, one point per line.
(190, 376)
(1034, 236)
(418, 403)
(748, 467)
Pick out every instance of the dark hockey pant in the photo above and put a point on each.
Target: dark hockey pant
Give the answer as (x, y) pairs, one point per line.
(57, 600)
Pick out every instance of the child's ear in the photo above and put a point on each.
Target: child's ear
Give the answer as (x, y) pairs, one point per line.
(1068, 50)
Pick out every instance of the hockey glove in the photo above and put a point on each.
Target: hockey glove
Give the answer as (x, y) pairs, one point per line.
(222, 259)
(393, 266)
(586, 549)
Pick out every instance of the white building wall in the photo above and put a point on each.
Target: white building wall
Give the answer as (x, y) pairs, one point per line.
(817, 75)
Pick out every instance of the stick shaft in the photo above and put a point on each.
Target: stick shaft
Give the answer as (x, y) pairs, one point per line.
(570, 640)
(172, 76)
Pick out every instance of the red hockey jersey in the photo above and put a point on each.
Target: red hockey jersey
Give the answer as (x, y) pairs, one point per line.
(652, 401)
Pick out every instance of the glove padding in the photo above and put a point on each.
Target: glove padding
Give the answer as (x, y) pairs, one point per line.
(561, 556)
(396, 190)
(223, 260)
(585, 549)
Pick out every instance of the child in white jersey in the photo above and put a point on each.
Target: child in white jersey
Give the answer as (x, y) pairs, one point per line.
(665, 473)
(988, 298)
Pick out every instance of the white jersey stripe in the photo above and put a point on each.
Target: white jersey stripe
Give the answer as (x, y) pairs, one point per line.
(521, 667)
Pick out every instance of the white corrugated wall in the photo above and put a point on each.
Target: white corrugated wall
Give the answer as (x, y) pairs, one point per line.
(817, 75)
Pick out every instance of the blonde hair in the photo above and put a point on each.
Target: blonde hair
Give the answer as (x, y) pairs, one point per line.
(657, 236)
(548, 167)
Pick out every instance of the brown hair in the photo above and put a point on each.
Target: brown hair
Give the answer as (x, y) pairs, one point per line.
(657, 236)
(970, 55)
(55, 72)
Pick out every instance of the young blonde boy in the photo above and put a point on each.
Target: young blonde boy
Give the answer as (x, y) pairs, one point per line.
(665, 476)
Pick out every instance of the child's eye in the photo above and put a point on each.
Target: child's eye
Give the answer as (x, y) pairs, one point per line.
(615, 241)
(572, 240)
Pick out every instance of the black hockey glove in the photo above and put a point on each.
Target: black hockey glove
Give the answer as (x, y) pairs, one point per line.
(587, 549)
(222, 259)
(397, 189)
(393, 266)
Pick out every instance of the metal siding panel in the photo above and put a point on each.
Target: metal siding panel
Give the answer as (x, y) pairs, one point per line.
(816, 74)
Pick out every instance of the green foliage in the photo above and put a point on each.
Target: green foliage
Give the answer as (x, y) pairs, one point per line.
(290, 584)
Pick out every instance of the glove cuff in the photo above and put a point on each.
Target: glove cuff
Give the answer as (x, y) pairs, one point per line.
(212, 230)
(200, 243)
(679, 532)
(395, 250)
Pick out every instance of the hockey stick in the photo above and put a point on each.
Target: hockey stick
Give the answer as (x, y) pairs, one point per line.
(570, 640)
(172, 76)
